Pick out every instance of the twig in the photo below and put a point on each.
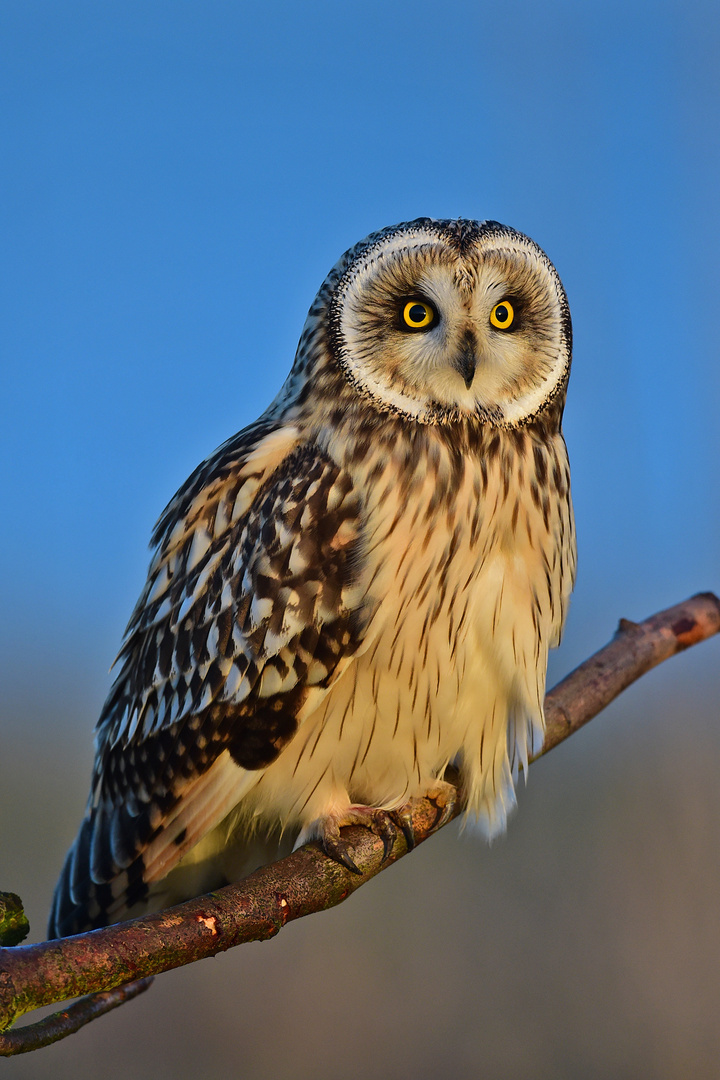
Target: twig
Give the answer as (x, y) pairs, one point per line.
(307, 881)
(67, 1021)
(635, 649)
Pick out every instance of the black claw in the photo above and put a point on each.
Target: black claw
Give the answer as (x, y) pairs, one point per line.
(387, 831)
(444, 813)
(338, 851)
(347, 861)
(403, 819)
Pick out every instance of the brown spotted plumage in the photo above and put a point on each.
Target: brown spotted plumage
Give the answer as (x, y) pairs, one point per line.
(354, 592)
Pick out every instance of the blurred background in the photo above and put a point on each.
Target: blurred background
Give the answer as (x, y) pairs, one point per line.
(177, 178)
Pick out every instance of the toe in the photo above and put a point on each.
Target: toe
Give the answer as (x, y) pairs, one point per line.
(444, 798)
(402, 818)
(382, 825)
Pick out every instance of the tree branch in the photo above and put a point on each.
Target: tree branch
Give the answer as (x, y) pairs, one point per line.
(115, 963)
(67, 1021)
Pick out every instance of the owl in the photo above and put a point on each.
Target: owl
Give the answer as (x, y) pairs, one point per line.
(356, 591)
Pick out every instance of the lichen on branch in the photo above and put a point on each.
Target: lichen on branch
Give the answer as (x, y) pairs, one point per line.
(14, 926)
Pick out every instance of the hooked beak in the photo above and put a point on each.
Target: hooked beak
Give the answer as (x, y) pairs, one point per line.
(466, 360)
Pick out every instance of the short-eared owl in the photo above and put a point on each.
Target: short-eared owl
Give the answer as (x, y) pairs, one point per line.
(355, 591)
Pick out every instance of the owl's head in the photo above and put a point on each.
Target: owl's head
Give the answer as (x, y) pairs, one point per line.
(436, 320)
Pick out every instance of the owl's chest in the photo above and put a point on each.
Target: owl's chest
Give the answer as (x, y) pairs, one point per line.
(442, 545)
(449, 573)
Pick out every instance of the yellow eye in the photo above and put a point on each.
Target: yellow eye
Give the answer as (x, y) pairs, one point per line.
(502, 315)
(417, 314)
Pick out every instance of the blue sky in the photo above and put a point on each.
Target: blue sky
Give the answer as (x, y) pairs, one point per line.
(178, 178)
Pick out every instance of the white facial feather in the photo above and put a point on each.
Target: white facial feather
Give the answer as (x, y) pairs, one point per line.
(412, 373)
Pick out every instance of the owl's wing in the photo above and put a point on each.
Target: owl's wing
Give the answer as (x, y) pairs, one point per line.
(251, 603)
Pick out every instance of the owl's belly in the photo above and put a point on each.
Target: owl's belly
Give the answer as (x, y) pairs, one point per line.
(465, 597)
(445, 675)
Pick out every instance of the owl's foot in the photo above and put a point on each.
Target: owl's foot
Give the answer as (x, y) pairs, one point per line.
(384, 824)
(379, 822)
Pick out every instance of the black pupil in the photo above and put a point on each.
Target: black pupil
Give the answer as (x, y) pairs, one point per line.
(501, 313)
(417, 313)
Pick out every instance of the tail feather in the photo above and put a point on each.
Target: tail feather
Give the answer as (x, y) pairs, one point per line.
(118, 856)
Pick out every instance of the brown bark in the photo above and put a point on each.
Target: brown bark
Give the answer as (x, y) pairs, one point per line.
(115, 963)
